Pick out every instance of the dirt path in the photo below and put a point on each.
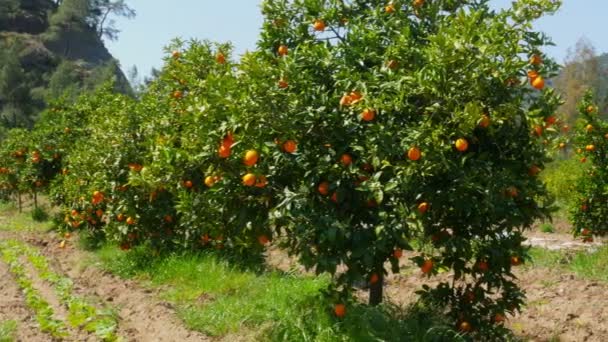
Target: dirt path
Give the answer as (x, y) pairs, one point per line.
(13, 308)
(141, 315)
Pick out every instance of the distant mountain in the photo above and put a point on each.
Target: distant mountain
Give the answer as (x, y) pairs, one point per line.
(49, 49)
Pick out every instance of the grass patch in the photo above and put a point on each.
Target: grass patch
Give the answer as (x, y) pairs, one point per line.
(12, 220)
(7, 331)
(547, 228)
(218, 298)
(589, 265)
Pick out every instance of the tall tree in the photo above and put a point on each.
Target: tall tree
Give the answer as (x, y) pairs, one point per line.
(101, 16)
(581, 72)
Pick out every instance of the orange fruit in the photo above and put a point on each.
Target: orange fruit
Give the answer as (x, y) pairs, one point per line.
(135, 167)
(423, 207)
(323, 188)
(62, 244)
(209, 181)
(566, 128)
(482, 266)
(334, 197)
(590, 109)
(397, 253)
(499, 318)
(590, 148)
(130, 221)
(205, 239)
(368, 115)
(392, 64)
(532, 75)
(176, 54)
(290, 146)
(534, 170)
(536, 60)
(178, 94)
(356, 96)
(485, 121)
(562, 145)
(550, 120)
(418, 3)
(99, 213)
(168, 218)
(319, 25)
(512, 192)
(588, 239)
(74, 213)
(283, 83)
(249, 179)
(67, 235)
(464, 326)
(427, 266)
(67, 130)
(606, 136)
(251, 157)
(224, 152)
(589, 128)
(346, 159)
(346, 100)
(263, 240)
(462, 145)
(120, 217)
(125, 246)
(390, 8)
(340, 310)
(586, 232)
(261, 182)
(283, 50)
(220, 58)
(188, 184)
(516, 261)
(414, 153)
(374, 278)
(584, 159)
(538, 130)
(538, 83)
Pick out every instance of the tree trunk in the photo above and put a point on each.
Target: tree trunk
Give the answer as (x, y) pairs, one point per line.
(375, 290)
(20, 203)
(35, 199)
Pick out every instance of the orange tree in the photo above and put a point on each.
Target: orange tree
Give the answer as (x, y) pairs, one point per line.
(590, 212)
(416, 128)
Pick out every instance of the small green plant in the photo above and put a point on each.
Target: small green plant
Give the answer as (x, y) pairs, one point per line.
(7, 331)
(39, 215)
(547, 228)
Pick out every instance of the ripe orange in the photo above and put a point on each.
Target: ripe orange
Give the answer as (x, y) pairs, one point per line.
(99, 213)
(224, 152)
(464, 326)
(499, 318)
(532, 75)
(263, 240)
(346, 100)
(562, 145)
(392, 64)
(319, 25)
(485, 121)
(209, 181)
(168, 218)
(283, 50)
(283, 83)
(590, 109)
(220, 58)
(390, 8)
(589, 128)
(427, 266)
(550, 120)
(249, 179)
(340, 310)
(538, 83)
(536, 60)
(538, 130)
(482, 266)
(398, 253)
(590, 148)
(356, 97)
(584, 159)
(188, 184)
(334, 197)
(290, 146)
(176, 54)
(74, 213)
(586, 232)
(462, 145)
(584, 207)
(205, 239)
(368, 115)
(423, 207)
(373, 278)
(516, 261)
(323, 188)
(566, 128)
(512, 192)
(178, 94)
(67, 235)
(418, 3)
(130, 221)
(135, 167)
(120, 217)
(606, 136)
(251, 157)
(414, 153)
(534, 170)
(125, 246)
(261, 182)
(346, 159)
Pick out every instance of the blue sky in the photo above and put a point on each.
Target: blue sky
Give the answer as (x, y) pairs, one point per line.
(142, 39)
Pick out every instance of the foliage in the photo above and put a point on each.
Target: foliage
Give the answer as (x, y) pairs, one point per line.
(589, 212)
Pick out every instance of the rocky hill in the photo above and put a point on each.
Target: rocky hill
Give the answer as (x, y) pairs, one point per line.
(49, 49)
